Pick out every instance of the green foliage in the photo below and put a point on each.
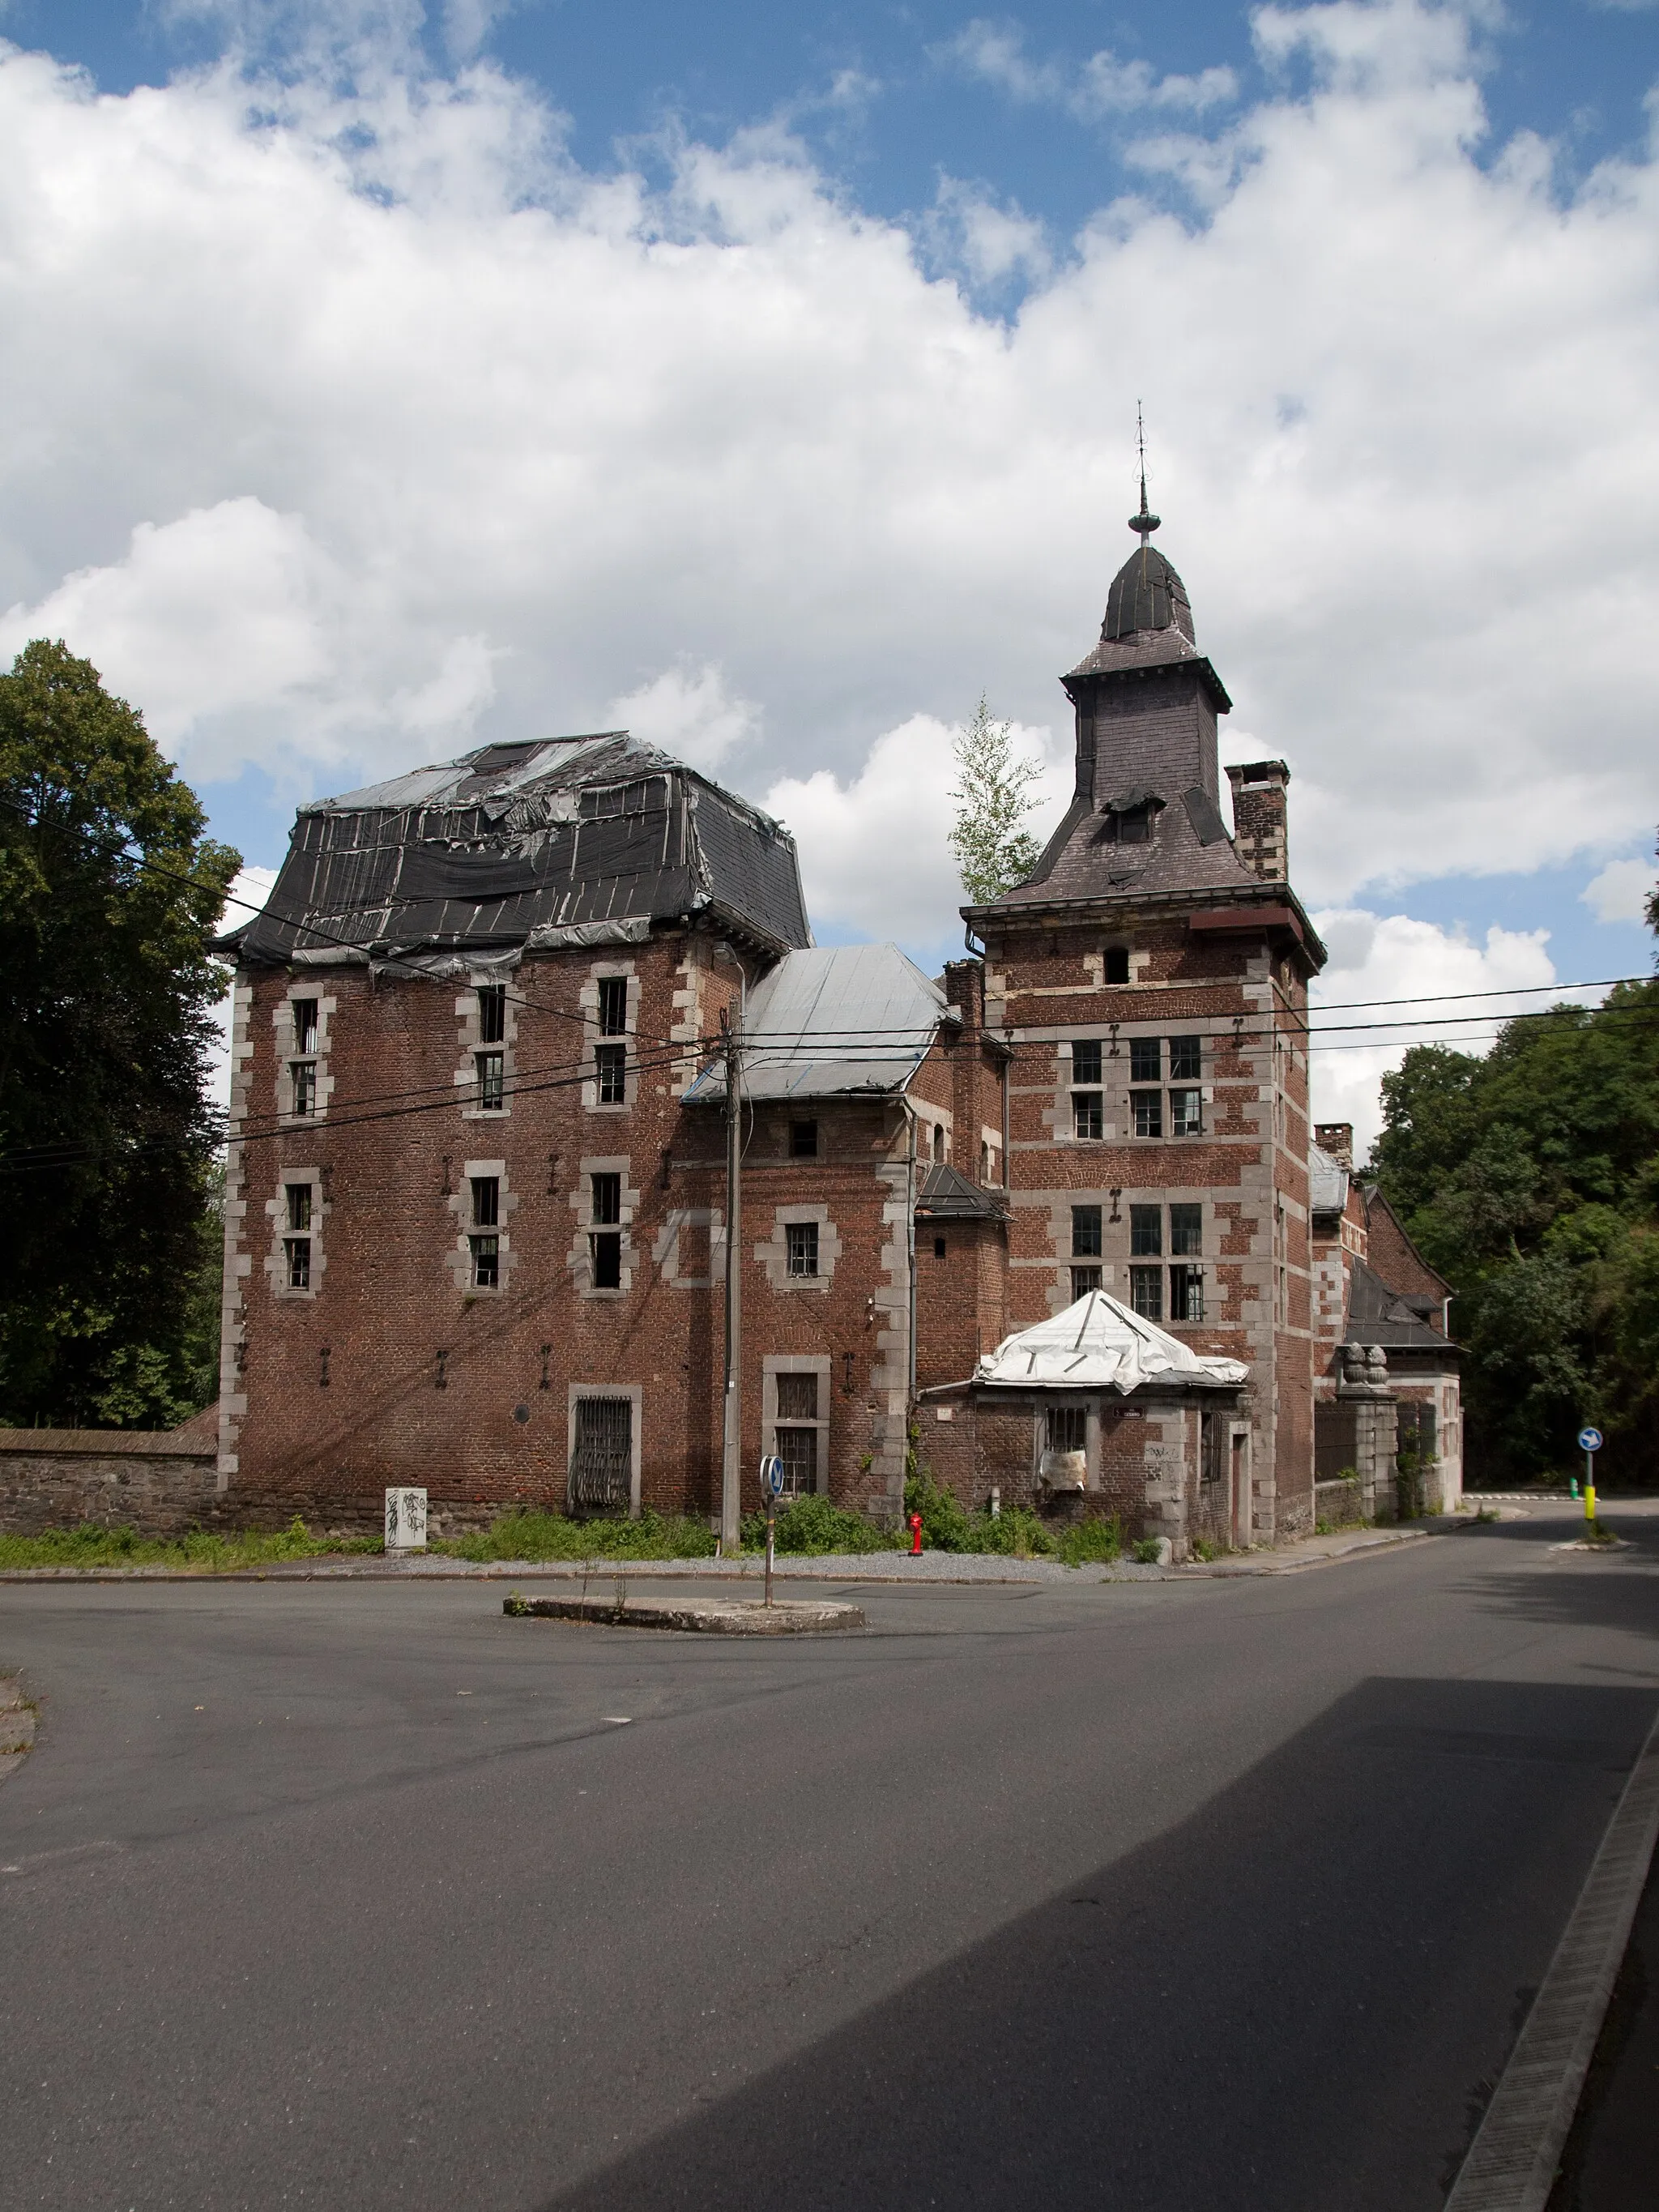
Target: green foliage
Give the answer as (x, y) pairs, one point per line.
(92, 1545)
(813, 1528)
(946, 1523)
(108, 991)
(1145, 1553)
(551, 1536)
(1530, 1179)
(994, 849)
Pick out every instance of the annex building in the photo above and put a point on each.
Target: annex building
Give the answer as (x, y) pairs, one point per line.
(1054, 1221)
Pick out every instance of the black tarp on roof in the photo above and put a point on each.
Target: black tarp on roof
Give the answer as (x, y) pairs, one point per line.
(510, 839)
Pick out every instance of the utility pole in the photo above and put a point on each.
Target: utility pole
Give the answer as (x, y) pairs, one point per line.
(731, 1449)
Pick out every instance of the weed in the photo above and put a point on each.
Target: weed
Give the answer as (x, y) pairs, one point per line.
(520, 1535)
(92, 1545)
(1145, 1553)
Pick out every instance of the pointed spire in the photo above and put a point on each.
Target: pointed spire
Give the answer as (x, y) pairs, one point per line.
(1144, 523)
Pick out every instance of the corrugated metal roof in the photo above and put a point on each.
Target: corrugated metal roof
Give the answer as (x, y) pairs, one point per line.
(834, 1021)
(1099, 1344)
(552, 834)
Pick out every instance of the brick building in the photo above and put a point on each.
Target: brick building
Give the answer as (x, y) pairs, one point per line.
(475, 1222)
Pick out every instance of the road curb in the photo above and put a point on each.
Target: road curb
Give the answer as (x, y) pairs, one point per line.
(1511, 2163)
(718, 1617)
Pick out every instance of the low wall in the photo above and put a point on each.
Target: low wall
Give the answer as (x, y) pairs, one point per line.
(153, 1480)
(1339, 1505)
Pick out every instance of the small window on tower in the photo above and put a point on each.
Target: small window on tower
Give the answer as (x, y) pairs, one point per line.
(1145, 1060)
(802, 1246)
(1117, 963)
(1185, 1059)
(1134, 827)
(305, 1024)
(939, 1144)
(607, 1198)
(486, 1201)
(1085, 1232)
(1186, 1230)
(299, 1205)
(491, 1070)
(803, 1140)
(492, 1012)
(610, 1074)
(1085, 1060)
(1145, 1231)
(613, 1005)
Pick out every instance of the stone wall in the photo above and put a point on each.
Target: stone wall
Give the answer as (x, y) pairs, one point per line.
(158, 1482)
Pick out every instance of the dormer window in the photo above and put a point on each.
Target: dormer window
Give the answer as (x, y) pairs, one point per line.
(1131, 822)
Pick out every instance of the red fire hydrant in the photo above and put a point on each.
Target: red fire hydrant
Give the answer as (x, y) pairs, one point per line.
(915, 1536)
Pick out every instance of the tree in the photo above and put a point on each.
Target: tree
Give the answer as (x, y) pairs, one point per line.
(109, 892)
(993, 851)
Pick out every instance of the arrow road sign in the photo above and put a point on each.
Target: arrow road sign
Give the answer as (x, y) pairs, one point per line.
(1589, 1440)
(772, 1475)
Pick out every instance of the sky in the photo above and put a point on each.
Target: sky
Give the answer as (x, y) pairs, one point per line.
(375, 382)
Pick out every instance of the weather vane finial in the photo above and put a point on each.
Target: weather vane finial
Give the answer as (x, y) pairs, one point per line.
(1143, 523)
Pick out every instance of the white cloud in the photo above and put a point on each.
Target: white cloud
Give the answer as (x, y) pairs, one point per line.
(1394, 957)
(873, 858)
(1090, 90)
(689, 711)
(1621, 892)
(343, 431)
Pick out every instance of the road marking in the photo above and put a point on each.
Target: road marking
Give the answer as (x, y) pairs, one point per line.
(618, 1720)
(1512, 2161)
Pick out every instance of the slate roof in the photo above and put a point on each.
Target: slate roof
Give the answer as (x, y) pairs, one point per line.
(831, 1022)
(513, 840)
(946, 1194)
(1148, 625)
(1378, 1314)
(1188, 849)
(1100, 1344)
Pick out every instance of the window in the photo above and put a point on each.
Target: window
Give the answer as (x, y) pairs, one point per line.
(1186, 1113)
(1186, 1294)
(486, 1263)
(938, 1143)
(296, 1259)
(1083, 1279)
(1088, 1115)
(1130, 826)
(1186, 1230)
(984, 1162)
(803, 1140)
(611, 1074)
(1066, 1428)
(1085, 1232)
(304, 1025)
(491, 1068)
(613, 1005)
(492, 1012)
(1145, 1060)
(304, 1072)
(606, 1193)
(1185, 1059)
(1085, 1060)
(940, 1247)
(1117, 963)
(1148, 1108)
(1147, 1293)
(1145, 1231)
(602, 1462)
(801, 1239)
(798, 1447)
(299, 1204)
(486, 1201)
(605, 1242)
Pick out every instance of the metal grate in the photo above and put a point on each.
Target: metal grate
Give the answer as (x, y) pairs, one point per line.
(602, 1464)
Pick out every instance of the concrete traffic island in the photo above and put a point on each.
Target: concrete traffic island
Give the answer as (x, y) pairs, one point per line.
(707, 1616)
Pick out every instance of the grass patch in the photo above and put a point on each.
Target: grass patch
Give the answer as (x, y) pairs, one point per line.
(92, 1545)
(552, 1536)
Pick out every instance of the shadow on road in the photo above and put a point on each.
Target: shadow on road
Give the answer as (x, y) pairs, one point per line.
(1295, 2000)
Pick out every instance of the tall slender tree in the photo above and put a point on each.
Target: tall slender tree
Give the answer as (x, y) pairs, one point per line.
(994, 849)
(109, 892)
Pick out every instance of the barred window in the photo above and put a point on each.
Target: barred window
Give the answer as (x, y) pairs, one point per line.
(298, 1195)
(613, 1005)
(799, 1451)
(491, 1069)
(1147, 1293)
(1186, 1294)
(1186, 1230)
(304, 1025)
(1145, 1060)
(1148, 1106)
(486, 1201)
(802, 1245)
(492, 1012)
(1145, 1231)
(611, 1074)
(304, 1072)
(1085, 1060)
(1084, 1279)
(602, 1463)
(605, 1191)
(296, 1256)
(1085, 1232)
(1067, 1428)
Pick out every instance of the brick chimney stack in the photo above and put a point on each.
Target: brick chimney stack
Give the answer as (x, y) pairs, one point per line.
(1335, 1139)
(1259, 819)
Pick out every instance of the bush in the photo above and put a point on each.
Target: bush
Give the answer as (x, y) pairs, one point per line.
(92, 1545)
(1092, 1543)
(521, 1535)
(946, 1523)
(1145, 1552)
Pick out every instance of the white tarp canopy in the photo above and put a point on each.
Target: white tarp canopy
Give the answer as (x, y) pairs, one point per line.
(1100, 1344)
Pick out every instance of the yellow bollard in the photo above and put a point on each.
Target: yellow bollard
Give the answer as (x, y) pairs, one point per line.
(1589, 1503)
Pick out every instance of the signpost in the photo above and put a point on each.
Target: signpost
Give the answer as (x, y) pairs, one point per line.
(772, 1483)
(1589, 1443)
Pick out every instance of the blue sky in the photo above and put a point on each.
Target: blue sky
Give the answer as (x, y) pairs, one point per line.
(381, 381)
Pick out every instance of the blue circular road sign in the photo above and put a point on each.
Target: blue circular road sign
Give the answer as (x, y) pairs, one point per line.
(771, 1476)
(1589, 1440)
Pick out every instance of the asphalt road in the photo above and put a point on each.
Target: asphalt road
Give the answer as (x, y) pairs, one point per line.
(1208, 1895)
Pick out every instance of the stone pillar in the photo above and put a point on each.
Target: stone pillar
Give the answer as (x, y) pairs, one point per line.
(1366, 1390)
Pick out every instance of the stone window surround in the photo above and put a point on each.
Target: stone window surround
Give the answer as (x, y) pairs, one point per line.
(276, 1213)
(775, 1364)
(773, 1252)
(1115, 1090)
(928, 1118)
(665, 1251)
(587, 1001)
(287, 1038)
(1115, 1258)
(1091, 1440)
(580, 1256)
(1094, 965)
(472, 1042)
(635, 1394)
(458, 1258)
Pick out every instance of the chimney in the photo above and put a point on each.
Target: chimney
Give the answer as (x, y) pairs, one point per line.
(1259, 819)
(1336, 1139)
(964, 984)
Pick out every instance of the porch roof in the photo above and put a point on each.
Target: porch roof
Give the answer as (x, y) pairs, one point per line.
(1099, 1344)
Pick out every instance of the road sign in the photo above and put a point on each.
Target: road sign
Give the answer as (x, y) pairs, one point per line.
(1589, 1440)
(771, 1476)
